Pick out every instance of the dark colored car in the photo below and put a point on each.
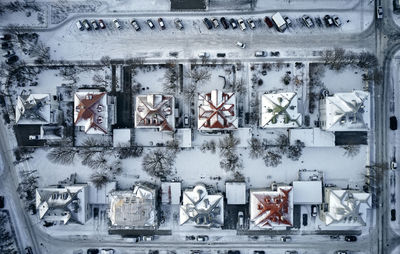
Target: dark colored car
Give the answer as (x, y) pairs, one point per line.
(28, 250)
(305, 219)
(208, 23)
(6, 37)
(268, 21)
(350, 238)
(328, 20)
(233, 23)
(86, 24)
(393, 214)
(12, 59)
(224, 23)
(393, 123)
(102, 24)
(6, 45)
(161, 23)
(93, 251)
(135, 24)
(221, 54)
(1, 202)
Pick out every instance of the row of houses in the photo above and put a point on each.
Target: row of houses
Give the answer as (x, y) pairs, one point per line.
(94, 111)
(268, 208)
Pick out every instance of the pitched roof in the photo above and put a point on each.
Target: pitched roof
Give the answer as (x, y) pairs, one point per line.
(270, 209)
(91, 111)
(155, 111)
(201, 209)
(280, 110)
(345, 111)
(33, 109)
(217, 110)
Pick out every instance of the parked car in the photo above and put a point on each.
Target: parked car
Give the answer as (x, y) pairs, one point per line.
(150, 23)
(241, 44)
(28, 250)
(341, 252)
(203, 54)
(314, 210)
(242, 25)
(393, 164)
(190, 237)
(233, 23)
(86, 24)
(12, 59)
(259, 252)
(379, 12)
(147, 238)
(1, 201)
(117, 24)
(9, 53)
(308, 21)
(95, 25)
(286, 238)
(215, 22)
(135, 25)
(102, 24)
(178, 24)
(336, 21)
(305, 219)
(318, 21)
(240, 218)
(6, 37)
(34, 137)
(208, 23)
(334, 237)
(221, 54)
(107, 251)
(268, 21)
(260, 53)
(251, 23)
(161, 23)
(328, 20)
(288, 21)
(291, 252)
(393, 123)
(224, 23)
(79, 25)
(93, 251)
(202, 238)
(350, 238)
(393, 214)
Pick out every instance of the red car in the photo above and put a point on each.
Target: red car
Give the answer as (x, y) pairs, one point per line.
(268, 21)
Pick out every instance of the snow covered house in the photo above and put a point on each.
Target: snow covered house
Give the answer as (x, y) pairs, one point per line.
(155, 111)
(345, 111)
(201, 209)
(307, 192)
(94, 111)
(280, 110)
(235, 193)
(271, 209)
(33, 109)
(63, 203)
(133, 209)
(217, 111)
(345, 207)
(312, 137)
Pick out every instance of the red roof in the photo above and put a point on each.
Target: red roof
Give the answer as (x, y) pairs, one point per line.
(87, 109)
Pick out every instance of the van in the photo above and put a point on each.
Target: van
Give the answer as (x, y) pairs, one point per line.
(260, 53)
(79, 25)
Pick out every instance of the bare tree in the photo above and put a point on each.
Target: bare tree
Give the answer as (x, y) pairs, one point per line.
(351, 150)
(158, 163)
(27, 188)
(62, 155)
(272, 159)
(231, 162)
(105, 60)
(128, 152)
(170, 80)
(286, 79)
(228, 144)
(190, 91)
(173, 146)
(199, 75)
(367, 60)
(208, 146)
(256, 148)
(295, 151)
(99, 162)
(98, 79)
(335, 59)
(41, 51)
(282, 143)
(239, 87)
(99, 179)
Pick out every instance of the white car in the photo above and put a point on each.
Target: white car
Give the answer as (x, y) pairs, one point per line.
(336, 20)
(241, 44)
(242, 25)
(117, 24)
(251, 23)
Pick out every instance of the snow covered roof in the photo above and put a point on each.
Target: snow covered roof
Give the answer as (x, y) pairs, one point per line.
(184, 135)
(217, 111)
(133, 209)
(313, 137)
(271, 209)
(280, 110)
(235, 193)
(346, 207)
(155, 111)
(307, 192)
(33, 109)
(99, 196)
(171, 193)
(121, 137)
(91, 111)
(201, 209)
(62, 203)
(345, 111)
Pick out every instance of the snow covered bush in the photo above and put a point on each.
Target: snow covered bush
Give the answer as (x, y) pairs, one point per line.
(62, 155)
(272, 158)
(158, 163)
